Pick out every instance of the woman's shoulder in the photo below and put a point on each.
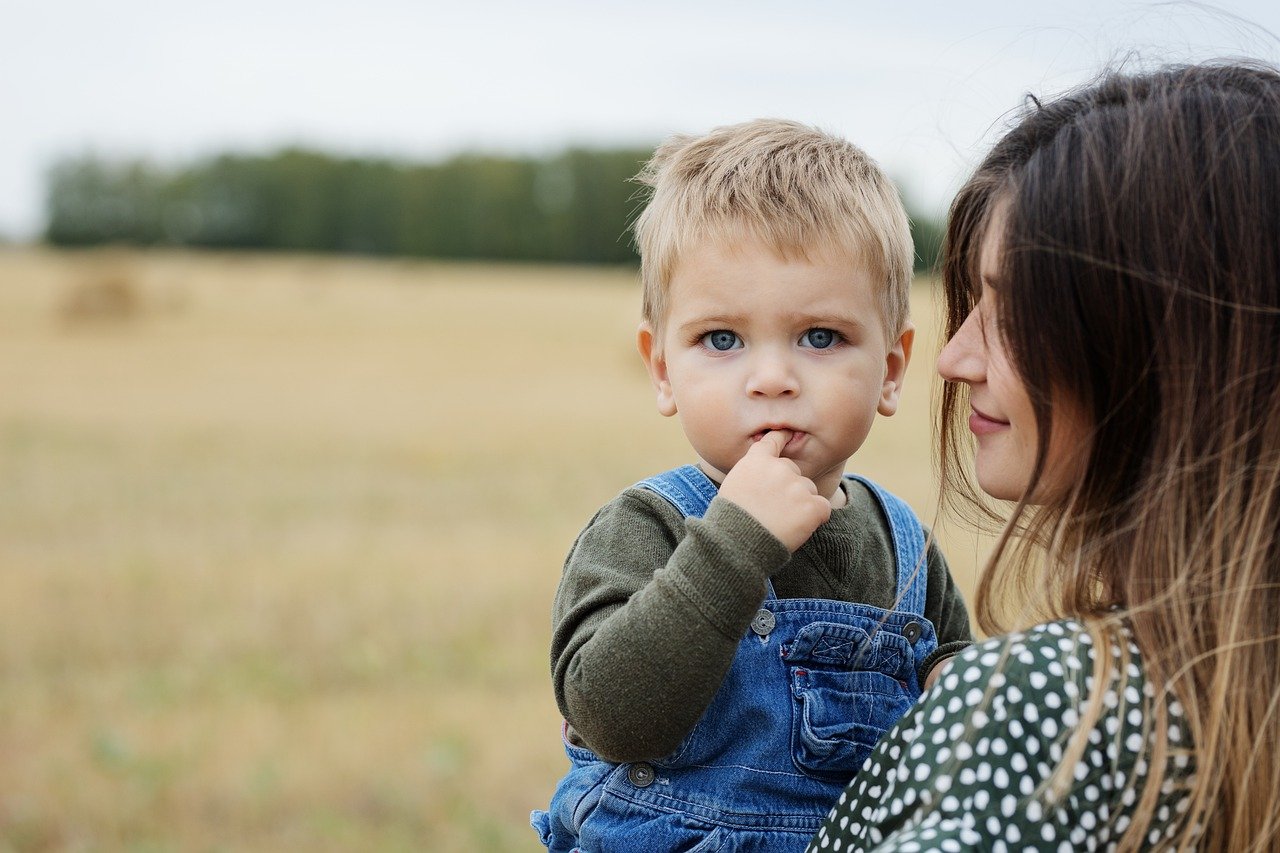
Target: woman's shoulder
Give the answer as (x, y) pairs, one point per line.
(973, 761)
(1042, 659)
(1035, 684)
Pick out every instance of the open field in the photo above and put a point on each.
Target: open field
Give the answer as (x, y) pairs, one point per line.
(279, 536)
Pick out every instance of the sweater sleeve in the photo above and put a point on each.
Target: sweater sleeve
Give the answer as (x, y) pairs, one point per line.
(646, 623)
(945, 608)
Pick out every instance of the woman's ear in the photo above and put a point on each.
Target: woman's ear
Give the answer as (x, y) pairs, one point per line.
(656, 364)
(895, 370)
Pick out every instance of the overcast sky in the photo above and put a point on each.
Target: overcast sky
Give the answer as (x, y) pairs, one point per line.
(922, 85)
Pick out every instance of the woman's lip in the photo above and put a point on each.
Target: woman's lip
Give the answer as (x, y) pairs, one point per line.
(981, 423)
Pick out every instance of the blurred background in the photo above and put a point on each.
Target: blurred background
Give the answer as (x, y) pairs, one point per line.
(316, 351)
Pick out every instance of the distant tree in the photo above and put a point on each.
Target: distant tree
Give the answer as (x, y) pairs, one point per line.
(94, 201)
(926, 233)
(576, 205)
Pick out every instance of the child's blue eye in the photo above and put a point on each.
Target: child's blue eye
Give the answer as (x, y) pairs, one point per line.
(721, 340)
(819, 338)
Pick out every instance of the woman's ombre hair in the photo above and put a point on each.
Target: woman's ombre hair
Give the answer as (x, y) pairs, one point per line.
(1140, 281)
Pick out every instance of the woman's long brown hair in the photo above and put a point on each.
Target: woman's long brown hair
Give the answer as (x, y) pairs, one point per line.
(1140, 285)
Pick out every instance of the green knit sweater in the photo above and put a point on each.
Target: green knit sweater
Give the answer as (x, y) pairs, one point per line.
(651, 607)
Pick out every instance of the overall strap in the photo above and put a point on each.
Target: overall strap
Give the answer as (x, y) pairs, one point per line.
(690, 491)
(908, 544)
(686, 488)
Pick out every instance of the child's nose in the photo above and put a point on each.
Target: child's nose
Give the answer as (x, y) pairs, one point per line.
(772, 375)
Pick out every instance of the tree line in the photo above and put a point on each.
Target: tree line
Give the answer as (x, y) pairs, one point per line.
(572, 206)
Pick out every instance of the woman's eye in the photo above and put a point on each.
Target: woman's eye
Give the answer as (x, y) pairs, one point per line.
(819, 338)
(721, 340)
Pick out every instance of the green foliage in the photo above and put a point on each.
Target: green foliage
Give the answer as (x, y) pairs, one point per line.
(926, 233)
(572, 206)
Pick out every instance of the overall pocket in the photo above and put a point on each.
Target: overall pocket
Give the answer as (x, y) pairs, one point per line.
(574, 800)
(848, 688)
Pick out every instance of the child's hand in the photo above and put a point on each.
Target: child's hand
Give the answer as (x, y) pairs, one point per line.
(771, 489)
(935, 672)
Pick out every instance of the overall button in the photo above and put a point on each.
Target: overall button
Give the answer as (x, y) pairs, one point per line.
(640, 775)
(763, 623)
(912, 631)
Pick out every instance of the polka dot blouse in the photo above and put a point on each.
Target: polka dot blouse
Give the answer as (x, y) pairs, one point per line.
(964, 769)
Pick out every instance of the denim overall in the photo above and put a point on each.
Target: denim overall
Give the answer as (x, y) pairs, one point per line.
(812, 687)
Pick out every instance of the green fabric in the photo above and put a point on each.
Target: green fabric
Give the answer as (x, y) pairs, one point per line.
(967, 767)
(651, 607)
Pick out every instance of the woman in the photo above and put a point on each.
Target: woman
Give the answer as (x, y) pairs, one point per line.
(1112, 274)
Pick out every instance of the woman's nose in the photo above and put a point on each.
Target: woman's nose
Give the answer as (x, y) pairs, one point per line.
(963, 359)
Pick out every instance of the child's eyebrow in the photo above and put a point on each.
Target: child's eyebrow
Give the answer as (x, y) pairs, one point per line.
(807, 319)
(706, 321)
(827, 319)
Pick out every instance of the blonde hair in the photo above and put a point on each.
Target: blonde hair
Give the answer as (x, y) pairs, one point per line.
(782, 183)
(1140, 281)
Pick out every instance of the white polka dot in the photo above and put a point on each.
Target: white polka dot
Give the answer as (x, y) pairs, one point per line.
(1008, 805)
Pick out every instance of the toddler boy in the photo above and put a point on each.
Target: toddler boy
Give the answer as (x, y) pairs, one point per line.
(732, 637)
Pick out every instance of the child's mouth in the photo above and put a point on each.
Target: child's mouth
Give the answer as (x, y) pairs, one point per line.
(796, 436)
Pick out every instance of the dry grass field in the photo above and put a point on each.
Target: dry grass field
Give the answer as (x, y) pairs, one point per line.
(279, 536)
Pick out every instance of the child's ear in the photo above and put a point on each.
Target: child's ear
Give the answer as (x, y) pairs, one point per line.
(896, 370)
(651, 352)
